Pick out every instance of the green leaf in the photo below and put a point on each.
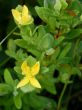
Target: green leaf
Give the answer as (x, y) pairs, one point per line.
(20, 55)
(27, 88)
(22, 43)
(58, 40)
(65, 51)
(17, 69)
(50, 51)
(29, 47)
(48, 83)
(25, 32)
(44, 70)
(44, 13)
(53, 57)
(76, 6)
(46, 42)
(65, 72)
(17, 101)
(64, 4)
(31, 60)
(57, 5)
(41, 103)
(49, 3)
(42, 40)
(64, 77)
(11, 45)
(76, 71)
(80, 47)
(5, 89)
(11, 48)
(8, 78)
(65, 60)
(60, 4)
(47, 15)
(74, 33)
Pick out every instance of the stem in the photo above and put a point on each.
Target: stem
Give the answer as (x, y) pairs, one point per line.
(61, 96)
(8, 35)
(69, 94)
(17, 34)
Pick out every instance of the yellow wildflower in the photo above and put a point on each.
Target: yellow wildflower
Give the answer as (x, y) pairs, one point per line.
(29, 73)
(22, 17)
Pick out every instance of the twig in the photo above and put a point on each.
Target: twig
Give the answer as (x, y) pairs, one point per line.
(61, 96)
(8, 35)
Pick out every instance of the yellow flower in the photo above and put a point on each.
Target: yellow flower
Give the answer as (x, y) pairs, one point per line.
(22, 17)
(29, 75)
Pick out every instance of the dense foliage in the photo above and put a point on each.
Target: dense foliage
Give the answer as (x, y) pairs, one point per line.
(43, 45)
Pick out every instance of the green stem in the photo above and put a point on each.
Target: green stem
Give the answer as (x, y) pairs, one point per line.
(17, 34)
(61, 96)
(8, 35)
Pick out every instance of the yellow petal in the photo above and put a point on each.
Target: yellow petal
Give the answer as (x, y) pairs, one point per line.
(25, 16)
(35, 69)
(25, 68)
(17, 15)
(35, 83)
(23, 82)
(25, 10)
